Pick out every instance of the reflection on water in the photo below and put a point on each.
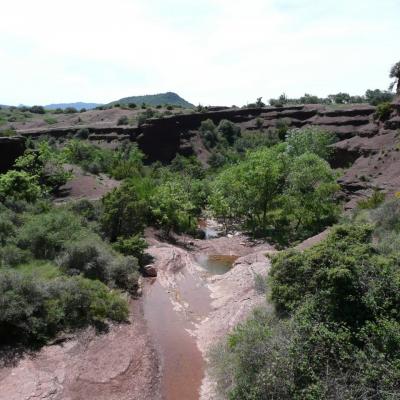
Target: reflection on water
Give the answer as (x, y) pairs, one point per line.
(216, 264)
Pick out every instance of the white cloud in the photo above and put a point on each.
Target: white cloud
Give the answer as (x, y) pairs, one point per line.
(210, 51)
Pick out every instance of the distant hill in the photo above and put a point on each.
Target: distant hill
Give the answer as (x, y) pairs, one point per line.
(156, 99)
(78, 106)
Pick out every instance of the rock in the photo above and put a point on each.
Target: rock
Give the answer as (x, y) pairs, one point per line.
(10, 149)
(150, 270)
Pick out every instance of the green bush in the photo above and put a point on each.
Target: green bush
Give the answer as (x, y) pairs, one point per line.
(8, 132)
(19, 185)
(33, 311)
(340, 339)
(172, 207)
(50, 120)
(90, 157)
(47, 234)
(87, 257)
(229, 131)
(383, 111)
(311, 140)
(126, 209)
(123, 120)
(209, 133)
(37, 110)
(82, 133)
(132, 246)
(372, 201)
(70, 110)
(124, 274)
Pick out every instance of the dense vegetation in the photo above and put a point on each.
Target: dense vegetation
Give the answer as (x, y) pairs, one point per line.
(57, 273)
(373, 97)
(285, 191)
(334, 333)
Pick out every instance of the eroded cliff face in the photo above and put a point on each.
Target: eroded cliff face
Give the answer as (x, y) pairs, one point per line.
(367, 149)
(10, 149)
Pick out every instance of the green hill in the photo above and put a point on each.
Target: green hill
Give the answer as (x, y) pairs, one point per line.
(156, 99)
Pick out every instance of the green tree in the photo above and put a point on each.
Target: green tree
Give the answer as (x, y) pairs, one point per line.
(229, 131)
(309, 193)
(248, 191)
(310, 139)
(395, 74)
(19, 185)
(126, 209)
(172, 207)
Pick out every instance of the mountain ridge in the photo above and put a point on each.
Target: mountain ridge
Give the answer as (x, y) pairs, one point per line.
(170, 98)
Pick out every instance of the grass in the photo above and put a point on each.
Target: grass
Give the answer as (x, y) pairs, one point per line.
(40, 269)
(50, 120)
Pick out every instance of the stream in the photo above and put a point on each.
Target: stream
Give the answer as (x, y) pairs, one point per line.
(173, 304)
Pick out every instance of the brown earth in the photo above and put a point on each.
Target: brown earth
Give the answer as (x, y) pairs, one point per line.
(118, 365)
(84, 185)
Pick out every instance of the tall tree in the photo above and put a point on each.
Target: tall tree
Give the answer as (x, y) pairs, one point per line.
(395, 74)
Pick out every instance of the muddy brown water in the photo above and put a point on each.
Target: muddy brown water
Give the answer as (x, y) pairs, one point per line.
(216, 264)
(182, 361)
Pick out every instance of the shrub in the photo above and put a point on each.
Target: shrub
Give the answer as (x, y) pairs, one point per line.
(87, 257)
(50, 120)
(87, 209)
(123, 120)
(372, 201)
(11, 255)
(90, 157)
(124, 273)
(47, 234)
(82, 133)
(19, 185)
(341, 339)
(126, 209)
(312, 140)
(70, 110)
(132, 246)
(229, 131)
(383, 111)
(8, 132)
(209, 133)
(37, 110)
(32, 311)
(132, 105)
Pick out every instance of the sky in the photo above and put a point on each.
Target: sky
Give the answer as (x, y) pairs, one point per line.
(211, 52)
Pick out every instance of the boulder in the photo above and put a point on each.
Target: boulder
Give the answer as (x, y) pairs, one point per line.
(150, 270)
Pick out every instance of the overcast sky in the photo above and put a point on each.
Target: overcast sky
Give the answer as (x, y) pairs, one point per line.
(219, 52)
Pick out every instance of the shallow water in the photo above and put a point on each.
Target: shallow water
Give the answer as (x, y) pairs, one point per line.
(216, 264)
(182, 361)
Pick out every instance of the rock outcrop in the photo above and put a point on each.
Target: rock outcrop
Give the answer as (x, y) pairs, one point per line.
(10, 149)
